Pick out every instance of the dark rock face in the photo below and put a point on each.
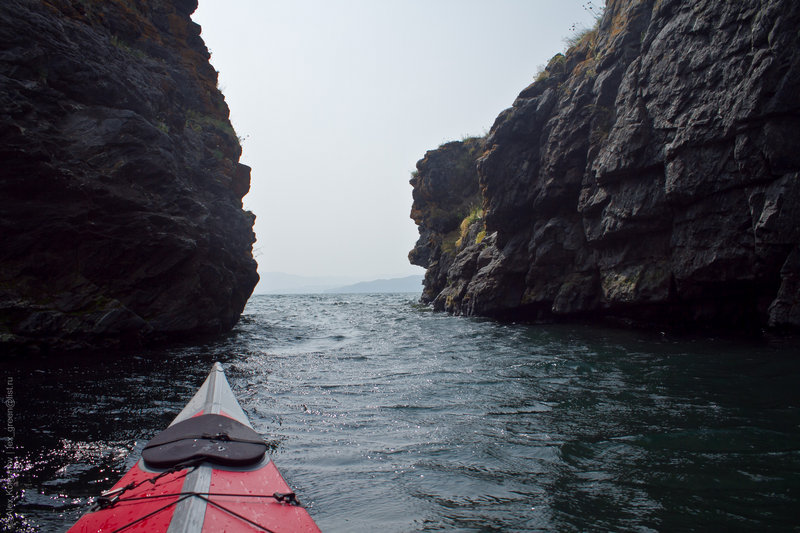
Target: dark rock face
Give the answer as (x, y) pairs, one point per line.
(650, 174)
(121, 217)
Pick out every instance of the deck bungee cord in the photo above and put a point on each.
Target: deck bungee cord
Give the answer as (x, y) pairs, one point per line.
(105, 500)
(288, 498)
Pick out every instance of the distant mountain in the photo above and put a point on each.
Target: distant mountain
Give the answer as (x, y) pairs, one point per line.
(281, 283)
(406, 284)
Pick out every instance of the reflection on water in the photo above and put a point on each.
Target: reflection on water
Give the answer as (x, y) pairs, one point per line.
(383, 412)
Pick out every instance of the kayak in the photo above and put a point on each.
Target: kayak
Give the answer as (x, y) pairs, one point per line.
(208, 471)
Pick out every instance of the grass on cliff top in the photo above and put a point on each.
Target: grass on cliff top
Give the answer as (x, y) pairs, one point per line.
(581, 39)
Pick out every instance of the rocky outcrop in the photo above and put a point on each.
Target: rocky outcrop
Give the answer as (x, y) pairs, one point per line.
(121, 218)
(445, 192)
(651, 174)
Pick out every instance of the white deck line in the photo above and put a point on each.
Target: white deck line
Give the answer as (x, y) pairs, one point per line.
(190, 513)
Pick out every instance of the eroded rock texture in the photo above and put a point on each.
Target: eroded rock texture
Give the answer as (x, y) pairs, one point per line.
(120, 189)
(651, 173)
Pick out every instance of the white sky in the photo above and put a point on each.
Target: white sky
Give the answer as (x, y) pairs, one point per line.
(338, 99)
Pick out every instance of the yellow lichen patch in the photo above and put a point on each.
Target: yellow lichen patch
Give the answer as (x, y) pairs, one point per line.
(619, 286)
(475, 215)
(449, 242)
(637, 283)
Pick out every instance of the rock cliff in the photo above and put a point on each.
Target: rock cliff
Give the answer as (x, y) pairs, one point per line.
(121, 218)
(650, 174)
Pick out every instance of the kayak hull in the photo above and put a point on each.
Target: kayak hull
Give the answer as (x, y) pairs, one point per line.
(202, 497)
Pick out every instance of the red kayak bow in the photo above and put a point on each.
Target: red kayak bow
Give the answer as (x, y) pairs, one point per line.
(207, 472)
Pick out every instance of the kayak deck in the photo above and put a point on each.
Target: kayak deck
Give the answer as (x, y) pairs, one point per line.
(197, 495)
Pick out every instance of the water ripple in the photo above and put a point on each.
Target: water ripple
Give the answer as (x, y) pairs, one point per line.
(381, 412)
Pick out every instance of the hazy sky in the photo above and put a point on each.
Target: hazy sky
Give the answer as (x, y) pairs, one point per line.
(338, 99)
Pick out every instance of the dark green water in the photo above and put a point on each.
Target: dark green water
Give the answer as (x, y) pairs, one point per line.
(386, 416)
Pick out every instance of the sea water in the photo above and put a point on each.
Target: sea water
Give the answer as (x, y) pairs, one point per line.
(385, 416)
